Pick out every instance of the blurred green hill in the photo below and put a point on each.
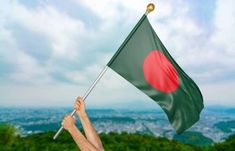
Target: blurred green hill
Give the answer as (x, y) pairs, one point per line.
(10, 141)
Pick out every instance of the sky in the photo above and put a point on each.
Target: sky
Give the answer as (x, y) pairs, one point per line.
(52, 51)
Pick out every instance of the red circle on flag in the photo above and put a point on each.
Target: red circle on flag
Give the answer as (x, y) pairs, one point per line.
(159, 72)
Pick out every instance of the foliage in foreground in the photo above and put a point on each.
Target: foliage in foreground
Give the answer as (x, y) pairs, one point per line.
(112, 142)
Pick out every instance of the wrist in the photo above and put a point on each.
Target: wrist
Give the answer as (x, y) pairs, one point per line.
(82, 114)
(71, 128)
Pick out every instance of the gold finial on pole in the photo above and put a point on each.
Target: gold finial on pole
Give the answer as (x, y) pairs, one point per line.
(150, 8)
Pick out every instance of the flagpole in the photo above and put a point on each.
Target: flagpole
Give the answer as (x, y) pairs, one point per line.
(150, 8)
(84, 97)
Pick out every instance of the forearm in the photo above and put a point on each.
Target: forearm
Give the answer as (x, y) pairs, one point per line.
(90, 131)
(80, 140)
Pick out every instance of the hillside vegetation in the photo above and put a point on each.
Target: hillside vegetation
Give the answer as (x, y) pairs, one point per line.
(10, 141)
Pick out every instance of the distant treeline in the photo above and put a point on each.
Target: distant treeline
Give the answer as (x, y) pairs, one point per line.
(10, 141)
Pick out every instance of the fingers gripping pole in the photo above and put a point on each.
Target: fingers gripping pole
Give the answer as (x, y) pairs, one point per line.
(84, 97)
(61, 128)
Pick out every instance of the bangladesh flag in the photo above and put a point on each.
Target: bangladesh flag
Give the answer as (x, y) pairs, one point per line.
(143, 60)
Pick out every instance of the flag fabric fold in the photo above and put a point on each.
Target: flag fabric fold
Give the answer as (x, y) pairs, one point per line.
(143, 60)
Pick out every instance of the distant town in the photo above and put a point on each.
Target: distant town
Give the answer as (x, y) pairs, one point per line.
(215, 123)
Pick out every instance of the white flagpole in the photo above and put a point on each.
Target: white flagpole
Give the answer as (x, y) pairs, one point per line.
(84, 97)
(150, 8)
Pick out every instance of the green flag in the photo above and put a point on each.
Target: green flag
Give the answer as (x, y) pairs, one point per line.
(143, 60)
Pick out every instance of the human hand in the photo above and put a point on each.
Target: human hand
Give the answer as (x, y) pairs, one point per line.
(68, 122)
(79, 106)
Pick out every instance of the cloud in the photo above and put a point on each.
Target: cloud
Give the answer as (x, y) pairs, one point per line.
(64, 34)
(224, 25)
(29, 71)
(57, 26)
(219, 93)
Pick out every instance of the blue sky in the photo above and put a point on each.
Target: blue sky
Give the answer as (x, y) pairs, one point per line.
(51, 51)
